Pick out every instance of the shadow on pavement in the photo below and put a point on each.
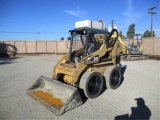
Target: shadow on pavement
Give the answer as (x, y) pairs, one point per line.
(123, 69)
(84, 98)
(8, 60)
(140, 112)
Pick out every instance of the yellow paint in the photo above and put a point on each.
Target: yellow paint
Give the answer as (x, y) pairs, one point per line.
(47, 97)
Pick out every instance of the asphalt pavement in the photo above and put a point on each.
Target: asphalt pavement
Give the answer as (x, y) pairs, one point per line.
(138, 96)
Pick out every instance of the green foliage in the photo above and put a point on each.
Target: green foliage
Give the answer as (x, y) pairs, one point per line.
(124, 37)
(69, 38)
(131, 30)
(154, 35)
(121, 35)
(62, 38)
(147, 33)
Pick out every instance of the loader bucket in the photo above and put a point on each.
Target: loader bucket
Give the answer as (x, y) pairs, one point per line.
(54, 95)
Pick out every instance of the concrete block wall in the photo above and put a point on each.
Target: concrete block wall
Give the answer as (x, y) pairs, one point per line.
(151, 46)
(21, 45)
(61, 46)
(51, 46)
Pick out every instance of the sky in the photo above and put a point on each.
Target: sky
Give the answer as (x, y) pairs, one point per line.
(52, 19)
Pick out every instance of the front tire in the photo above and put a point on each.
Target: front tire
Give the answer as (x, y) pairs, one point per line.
(92, 84)
(113, 77)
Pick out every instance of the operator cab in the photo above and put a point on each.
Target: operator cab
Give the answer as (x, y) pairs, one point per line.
(91, 40)
(135, 48)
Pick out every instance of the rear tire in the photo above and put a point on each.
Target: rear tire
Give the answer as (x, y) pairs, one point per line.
(113, 77)
(92, 84)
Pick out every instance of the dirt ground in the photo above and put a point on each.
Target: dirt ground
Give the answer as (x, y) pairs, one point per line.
(138, 96)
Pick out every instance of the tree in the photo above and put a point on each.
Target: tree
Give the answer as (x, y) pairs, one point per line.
(124, 37)
(69, 38)
(131, 30)
(62, 38)
(147, 33)
(154, 35)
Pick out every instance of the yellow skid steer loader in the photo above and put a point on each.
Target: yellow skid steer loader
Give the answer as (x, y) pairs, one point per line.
(90, 68)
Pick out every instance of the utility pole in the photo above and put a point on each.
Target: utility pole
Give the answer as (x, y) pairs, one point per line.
(112, 24)
(151, 12)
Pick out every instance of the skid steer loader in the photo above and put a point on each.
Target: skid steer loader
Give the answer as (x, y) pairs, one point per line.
(90, 68)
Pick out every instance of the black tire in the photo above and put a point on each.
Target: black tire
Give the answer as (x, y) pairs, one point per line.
(92, 84)
(113, 77)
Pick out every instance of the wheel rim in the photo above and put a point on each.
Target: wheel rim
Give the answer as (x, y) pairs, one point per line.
(94, 85)
(115, 78)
